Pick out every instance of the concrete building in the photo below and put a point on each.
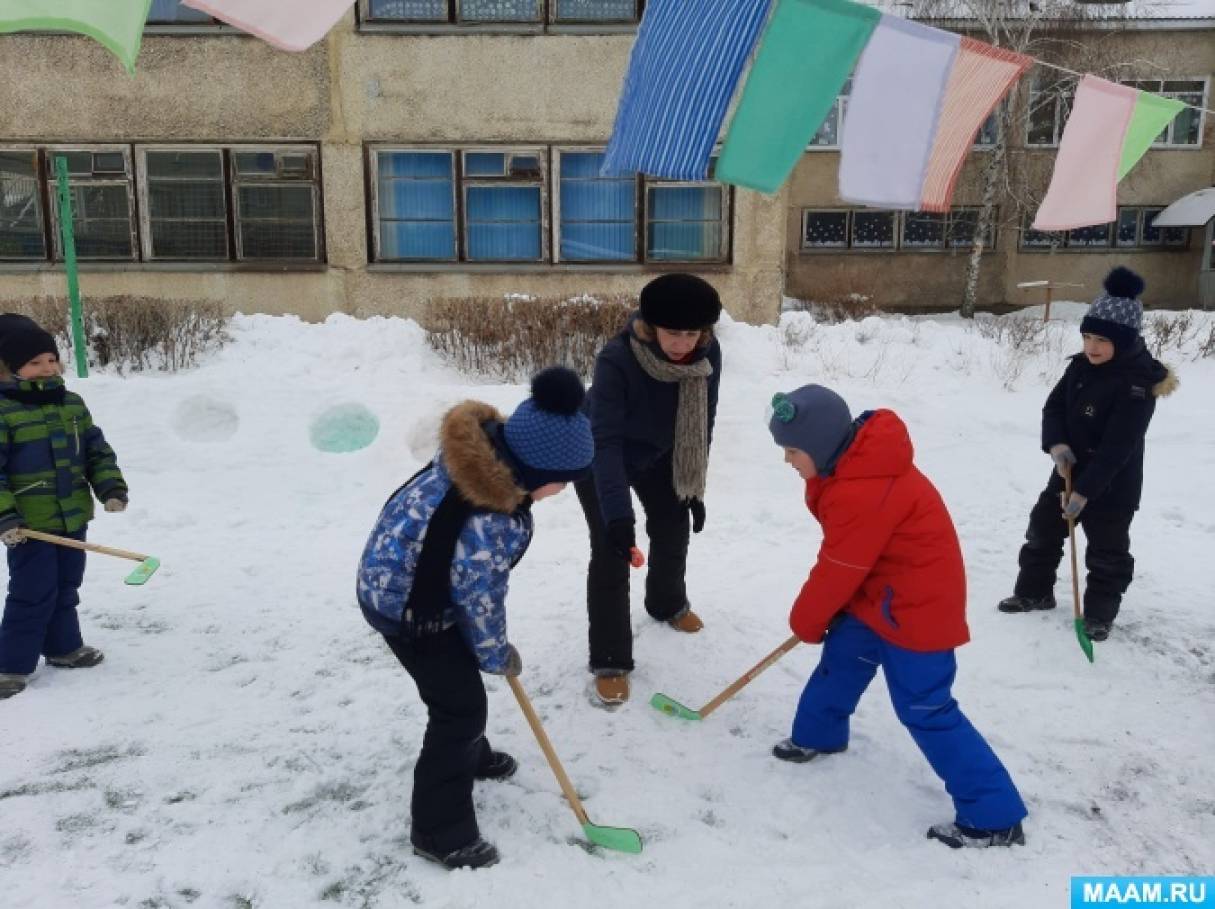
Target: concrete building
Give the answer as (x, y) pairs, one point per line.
(437, 148)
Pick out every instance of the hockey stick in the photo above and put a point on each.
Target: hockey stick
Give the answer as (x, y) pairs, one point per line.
(621, 839)
(146, 568)
(1086, 643)
(674, 708)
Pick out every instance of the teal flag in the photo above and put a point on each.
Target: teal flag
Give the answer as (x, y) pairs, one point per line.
(118, 24)
(808, 50)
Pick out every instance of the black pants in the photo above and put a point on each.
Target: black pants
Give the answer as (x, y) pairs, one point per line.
(1107, 555)
(607, 578)
(454, 748)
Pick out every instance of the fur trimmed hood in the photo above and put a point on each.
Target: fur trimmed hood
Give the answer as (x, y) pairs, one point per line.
(1168, 384)
(472, 461)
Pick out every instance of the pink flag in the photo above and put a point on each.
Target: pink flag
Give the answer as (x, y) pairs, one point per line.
(981, 76)
(1084, 187)
(291, 25)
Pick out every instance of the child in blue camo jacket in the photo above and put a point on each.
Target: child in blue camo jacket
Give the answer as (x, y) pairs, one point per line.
(433, 580)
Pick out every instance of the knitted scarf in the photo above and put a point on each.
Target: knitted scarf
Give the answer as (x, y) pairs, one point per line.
(691, 459)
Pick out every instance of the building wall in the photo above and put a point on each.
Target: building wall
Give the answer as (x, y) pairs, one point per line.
(351, 89)
(915, 280)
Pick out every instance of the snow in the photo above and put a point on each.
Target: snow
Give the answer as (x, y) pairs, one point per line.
(249, 741)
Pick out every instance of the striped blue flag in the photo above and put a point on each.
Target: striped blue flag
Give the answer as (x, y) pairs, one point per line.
(685, 65)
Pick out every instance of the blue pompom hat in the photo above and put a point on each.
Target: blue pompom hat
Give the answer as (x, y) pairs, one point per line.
(548, 437)
(813, 419)
(1117, 314)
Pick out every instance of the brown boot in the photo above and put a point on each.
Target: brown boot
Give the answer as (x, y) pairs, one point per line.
(686, 620)
(11, 683)
(610, 689)
(83, 657)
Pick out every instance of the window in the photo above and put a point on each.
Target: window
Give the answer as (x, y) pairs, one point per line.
(535, 15)
(1132, 230)
(1050, 103)
(21, 217)
(831, 132)
(195, 203)
(499, 205)
(103, 199)
(173, 13)
(871, 229)
(492, 205)
(1186, 128)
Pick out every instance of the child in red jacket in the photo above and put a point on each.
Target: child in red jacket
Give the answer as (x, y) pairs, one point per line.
(888, 590)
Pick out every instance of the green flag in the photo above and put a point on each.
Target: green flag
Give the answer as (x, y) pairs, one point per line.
(809, 49)
(118, 24)
(1151, 115)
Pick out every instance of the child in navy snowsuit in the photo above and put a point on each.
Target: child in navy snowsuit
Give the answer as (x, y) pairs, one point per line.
(1093, 427)
(888, 590)
(53, 460)
(433, 580)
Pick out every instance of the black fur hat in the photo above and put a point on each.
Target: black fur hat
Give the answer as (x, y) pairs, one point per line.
(680, 302)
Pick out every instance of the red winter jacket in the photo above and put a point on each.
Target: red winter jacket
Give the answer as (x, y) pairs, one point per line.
(890, 554)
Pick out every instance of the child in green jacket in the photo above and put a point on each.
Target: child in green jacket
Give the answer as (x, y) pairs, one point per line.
(51, 453)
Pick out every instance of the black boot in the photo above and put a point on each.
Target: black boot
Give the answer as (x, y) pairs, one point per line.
(1096, 629)
(499, 766)
(956, 836)
(477, 854)
(788, 750)
(1026, 604)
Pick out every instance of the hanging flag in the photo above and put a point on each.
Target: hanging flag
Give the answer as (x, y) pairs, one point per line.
(1084, 187)
(1152, 114)
(294, 26)
(117, 24)
(682, 72)
(790, 89)
(980, 78)
(893, 112)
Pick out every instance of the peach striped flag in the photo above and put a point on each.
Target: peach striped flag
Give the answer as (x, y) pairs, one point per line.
(981, 76)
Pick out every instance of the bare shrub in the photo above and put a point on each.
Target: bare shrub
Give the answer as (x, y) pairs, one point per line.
(851, 307)
(512, 337)
(1206, 347)
(1019, 333)
(1169, 331)
(135, 334)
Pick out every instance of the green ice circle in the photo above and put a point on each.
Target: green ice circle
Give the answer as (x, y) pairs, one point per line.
(344, 428)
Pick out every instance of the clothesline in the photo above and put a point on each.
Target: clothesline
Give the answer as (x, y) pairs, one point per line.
(1072, 72)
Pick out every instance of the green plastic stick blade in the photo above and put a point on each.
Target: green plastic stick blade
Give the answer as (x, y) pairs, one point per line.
(673, 708)
(620, 839)
(1085, 643)
(143, 571)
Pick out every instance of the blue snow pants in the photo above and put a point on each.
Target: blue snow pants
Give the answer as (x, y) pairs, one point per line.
(40, 612)
(983, 793)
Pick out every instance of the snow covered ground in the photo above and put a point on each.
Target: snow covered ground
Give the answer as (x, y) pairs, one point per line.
(249, 740)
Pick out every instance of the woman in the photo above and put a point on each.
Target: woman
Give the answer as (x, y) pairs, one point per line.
(652, 406)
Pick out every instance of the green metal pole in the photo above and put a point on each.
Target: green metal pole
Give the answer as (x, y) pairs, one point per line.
(69, 264)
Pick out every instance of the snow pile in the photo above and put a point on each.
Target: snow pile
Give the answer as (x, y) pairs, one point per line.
(249, 740)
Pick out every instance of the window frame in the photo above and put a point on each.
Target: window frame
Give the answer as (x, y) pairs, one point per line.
(948, 247)
(314, 183)
(48, 153)
(1114, 246)
(1063, 89)
(549, 22)
(726, 220)
(145, 210)
(215, 26)
(638, 216)
(1202, 121)
(464, 182)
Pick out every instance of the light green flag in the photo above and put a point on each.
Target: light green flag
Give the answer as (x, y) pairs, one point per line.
(809, 49)
(118, 24)
(1151, 115)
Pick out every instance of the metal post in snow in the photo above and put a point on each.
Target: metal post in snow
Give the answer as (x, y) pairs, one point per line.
(69, 264)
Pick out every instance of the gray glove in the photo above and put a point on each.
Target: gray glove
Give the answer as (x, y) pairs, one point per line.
(514, 662)
(115, 504)
(12, 537)
(1073, 505)
(1064, 459)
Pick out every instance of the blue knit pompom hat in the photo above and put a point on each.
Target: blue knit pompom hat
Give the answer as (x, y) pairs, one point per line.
(813, 419)
(548, 437)
(1117, 314)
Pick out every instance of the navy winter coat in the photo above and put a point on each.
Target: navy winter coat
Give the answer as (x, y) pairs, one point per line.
(1102, 413)
(633, 419)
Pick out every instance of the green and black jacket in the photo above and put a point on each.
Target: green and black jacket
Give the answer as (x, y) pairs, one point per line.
(50, 454)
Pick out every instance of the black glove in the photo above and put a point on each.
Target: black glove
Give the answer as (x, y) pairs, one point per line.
(622, 538)
(514, 662)
(697, 509)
